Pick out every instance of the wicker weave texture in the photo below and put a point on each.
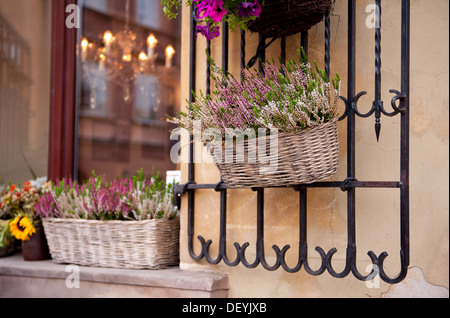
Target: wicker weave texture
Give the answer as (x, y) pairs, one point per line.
(302, 157)
(286, 17)
(150, 244)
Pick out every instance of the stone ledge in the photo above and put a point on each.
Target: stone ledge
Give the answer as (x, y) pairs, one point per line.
(48, 279)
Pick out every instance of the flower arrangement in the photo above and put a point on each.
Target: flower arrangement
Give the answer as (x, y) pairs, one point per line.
(296, 102)
(124, 223)
(137, 198)
(17, 210)
(289, 98)
(211, 12)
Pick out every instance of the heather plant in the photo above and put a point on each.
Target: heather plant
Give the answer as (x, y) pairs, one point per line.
(136, 198)
(151, 198)
(288, 98)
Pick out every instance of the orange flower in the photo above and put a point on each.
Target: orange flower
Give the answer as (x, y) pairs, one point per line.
(13, 187)
(28, 183)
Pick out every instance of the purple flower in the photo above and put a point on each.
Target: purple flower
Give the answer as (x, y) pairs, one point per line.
(247, 9)
(203, 7)
(210, 8)
(209, 31)
(216, 11)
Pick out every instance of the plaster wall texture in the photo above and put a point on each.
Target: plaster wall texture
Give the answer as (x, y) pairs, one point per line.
(377, 210)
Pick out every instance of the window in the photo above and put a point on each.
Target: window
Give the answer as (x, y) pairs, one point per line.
(125, 87)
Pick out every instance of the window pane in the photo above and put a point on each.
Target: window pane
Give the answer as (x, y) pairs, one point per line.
(25, 45)
(126, 86)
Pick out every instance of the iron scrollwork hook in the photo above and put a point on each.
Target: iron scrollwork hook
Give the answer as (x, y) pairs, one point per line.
(303, 245)
(377, 106)
(303, 260)
(345, 114)
(380, 267)
(355, 106)
(350, 265)
(397, 110)
(222, 255)
(260, 255)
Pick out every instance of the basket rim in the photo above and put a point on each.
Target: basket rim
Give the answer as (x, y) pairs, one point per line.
(132, 222)
(297, 132)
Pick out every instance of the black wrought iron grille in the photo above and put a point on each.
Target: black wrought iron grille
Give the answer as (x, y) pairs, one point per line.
(400, 107)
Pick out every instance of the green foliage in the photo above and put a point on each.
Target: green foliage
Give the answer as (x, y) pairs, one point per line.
(170, 7)
(5, 236)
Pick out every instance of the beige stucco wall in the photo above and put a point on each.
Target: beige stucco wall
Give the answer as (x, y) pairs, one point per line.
(377, 222)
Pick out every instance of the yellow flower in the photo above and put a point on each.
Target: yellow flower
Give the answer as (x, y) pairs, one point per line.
(22, 228)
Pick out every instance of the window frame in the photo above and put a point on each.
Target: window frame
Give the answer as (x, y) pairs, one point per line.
(62, 93)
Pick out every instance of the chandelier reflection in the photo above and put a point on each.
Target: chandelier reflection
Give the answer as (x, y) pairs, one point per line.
(121, 58)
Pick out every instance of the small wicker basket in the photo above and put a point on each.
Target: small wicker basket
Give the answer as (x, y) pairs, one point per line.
(302, 157)
(149, 244)
(287, 17)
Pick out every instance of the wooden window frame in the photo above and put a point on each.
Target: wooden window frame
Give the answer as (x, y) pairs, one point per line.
(62, 94)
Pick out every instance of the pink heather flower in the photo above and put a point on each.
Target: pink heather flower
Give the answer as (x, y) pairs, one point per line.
(247, 9)
(46, 206)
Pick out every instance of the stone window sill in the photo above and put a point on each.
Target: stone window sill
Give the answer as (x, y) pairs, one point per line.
(46, 279)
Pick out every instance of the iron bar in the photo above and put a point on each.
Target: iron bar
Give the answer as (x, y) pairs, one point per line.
(283, 50)
(262, 52)
(304, 41)
(404, 161)
(242, 46)
(351, 232)
(330, 184)
(327, 45)
(378, 103)
(404, 152)
(208, 68)
(191, 167)
(225, 47)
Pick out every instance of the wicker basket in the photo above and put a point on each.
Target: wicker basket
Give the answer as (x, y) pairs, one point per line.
(287, 17)
(150, 244)
(303, 157)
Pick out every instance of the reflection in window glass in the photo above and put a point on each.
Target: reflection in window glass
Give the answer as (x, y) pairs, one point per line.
(25, 45)
(148, 100)
(127, 83)
(94, 92)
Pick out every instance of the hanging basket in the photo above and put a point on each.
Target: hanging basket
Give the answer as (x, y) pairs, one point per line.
(287, 17)
(149, 244)
(287, 159)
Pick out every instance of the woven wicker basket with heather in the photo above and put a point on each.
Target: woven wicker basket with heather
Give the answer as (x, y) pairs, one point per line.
(126, 223)
(296, 102)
